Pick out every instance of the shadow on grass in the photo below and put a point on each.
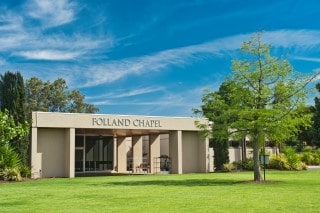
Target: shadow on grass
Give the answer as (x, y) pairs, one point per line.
(190, 183)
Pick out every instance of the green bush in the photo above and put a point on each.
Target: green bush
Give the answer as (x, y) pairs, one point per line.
(247, 164)
(279, 162)
(9, 163)
(307, 149)
(8, 157)
(293, 158)
(289, 160)
(228, 167)
(11, 174)
(25, 171)
(310, 156)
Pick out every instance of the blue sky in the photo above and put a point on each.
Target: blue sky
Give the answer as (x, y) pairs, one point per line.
(150, 57)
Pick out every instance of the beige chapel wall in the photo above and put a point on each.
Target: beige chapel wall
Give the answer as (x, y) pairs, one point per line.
(98, 121)
(175, 151)
(51, 145)
(164, 144)
(190, 144)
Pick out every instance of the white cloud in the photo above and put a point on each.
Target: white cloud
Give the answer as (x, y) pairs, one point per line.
(57, 47)
(128, 93)
(10, 22)
(48, 55)
(306, 59)
(52, 13)
(2, 61)
(115, 70)
(18, 38)
(293, 38)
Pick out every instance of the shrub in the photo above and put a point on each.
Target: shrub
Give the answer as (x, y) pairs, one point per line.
(228, 167)
(11, 174)
(292, 157)
(302, 166)
(310, 156)
(9, 163)
(247, 164)
(25, 171)
(288, 160)
(8, 157)
(279, 162)
(307, 149)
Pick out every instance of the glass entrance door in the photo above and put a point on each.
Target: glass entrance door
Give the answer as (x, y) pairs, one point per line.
(93, 153)
(79, 159)
(98, 153)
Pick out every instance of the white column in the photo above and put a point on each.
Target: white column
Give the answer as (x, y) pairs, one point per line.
(204, 156)
(154, 153)
(137, 152)
(36, 158)
(121, 154)
(115, 152)
(69, 152)
(175, 151)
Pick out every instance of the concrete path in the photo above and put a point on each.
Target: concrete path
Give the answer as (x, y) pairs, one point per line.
(313, 167)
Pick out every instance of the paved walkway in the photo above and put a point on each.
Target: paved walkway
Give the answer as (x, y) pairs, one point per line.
(313, 167)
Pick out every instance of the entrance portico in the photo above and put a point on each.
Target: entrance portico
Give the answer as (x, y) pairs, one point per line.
(65, 144)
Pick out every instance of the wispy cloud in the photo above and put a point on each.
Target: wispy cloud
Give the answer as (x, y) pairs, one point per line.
(10, 22)
(52, 13)
(293, 38)
(19, 38)
(306, 59)
(128, 93)
(49, 55)
(179, 102)
(115, 70)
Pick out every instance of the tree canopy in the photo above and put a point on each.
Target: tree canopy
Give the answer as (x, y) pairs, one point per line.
(55, 97)
(263, 98)
(12, 95)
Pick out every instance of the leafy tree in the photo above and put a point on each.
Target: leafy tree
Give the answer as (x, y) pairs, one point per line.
(267, 99)
(55, 97)
(37, 95)
(9, 159)
(217, 107)
(58, 96)
(12, 92)
(9, 129)
(76, 103)
(12, 95)
(315, 130)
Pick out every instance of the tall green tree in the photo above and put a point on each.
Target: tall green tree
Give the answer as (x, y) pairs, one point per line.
(275, 109)
(55, 97)
(10, 129)
(9, 157)
(13, 99)
(37, 95)
(311, 136)
(12, 95)
(216, 106)
(315, 129)
(267, 98)
(76, 103)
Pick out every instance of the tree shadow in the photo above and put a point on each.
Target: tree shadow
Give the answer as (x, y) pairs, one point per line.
(188, 183)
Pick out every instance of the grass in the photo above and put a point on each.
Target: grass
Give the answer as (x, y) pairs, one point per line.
(216, 192)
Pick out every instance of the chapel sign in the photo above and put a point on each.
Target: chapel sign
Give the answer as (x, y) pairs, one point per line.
(126, 122)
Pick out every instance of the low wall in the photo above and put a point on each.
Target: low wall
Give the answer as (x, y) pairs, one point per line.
(235, 154)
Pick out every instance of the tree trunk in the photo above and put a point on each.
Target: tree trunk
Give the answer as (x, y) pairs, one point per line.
(256, 167)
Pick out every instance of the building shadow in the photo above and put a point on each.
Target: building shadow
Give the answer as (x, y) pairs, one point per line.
(188, 183)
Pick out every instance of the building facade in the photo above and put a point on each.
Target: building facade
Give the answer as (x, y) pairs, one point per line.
(71, 144)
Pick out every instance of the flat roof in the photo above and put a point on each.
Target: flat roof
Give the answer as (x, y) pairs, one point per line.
(116, 124)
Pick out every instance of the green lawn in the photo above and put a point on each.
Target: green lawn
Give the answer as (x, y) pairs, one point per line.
(221, 192)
